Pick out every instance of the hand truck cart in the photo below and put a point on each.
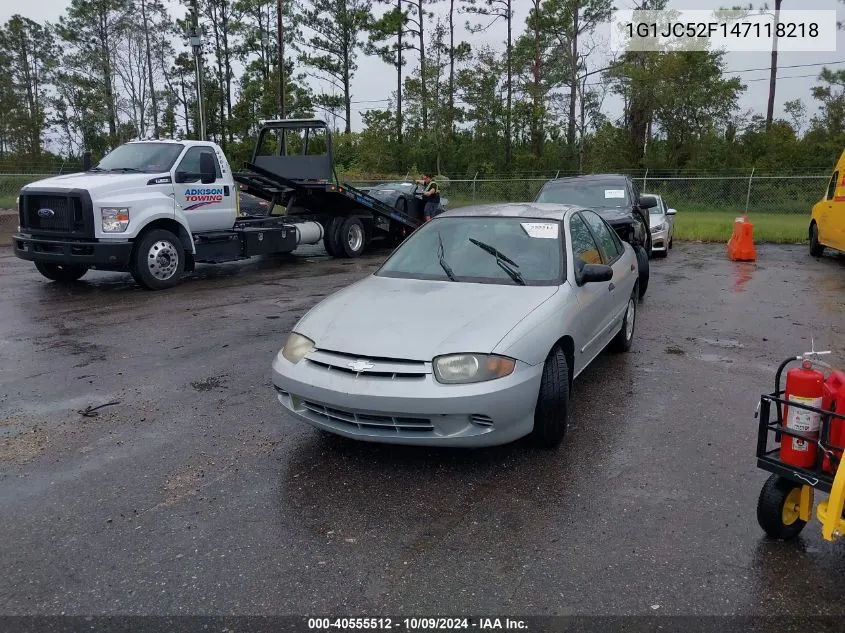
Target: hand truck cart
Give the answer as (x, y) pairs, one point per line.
(786, 501)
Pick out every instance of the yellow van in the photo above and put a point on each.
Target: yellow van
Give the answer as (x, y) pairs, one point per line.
(827, 224)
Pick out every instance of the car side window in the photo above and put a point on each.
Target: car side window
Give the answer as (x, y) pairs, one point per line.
(831, 187)
(191, 163)
(603, 235)
(584, 248)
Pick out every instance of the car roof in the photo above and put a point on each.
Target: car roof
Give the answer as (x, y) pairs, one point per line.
(587, 178)
(543, 210)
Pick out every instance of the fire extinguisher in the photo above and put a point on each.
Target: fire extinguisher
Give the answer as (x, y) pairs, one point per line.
(804, 385)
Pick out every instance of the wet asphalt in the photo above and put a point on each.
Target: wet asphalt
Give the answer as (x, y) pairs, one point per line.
(194, 493)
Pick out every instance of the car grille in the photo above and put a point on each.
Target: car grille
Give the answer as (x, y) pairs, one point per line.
(71, 214)
(366, 421)
(368, 366)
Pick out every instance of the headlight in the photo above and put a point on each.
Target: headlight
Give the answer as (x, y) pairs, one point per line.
(296, 347)
(464, 368)
(659, 227)
(115, 219)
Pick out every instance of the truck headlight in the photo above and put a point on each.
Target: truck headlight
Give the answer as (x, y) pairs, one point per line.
(466, 368)
(115, 219)
(659, 227)
(296, 347)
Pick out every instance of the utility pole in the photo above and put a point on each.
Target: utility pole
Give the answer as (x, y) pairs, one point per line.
(281, 61)
(196, 45)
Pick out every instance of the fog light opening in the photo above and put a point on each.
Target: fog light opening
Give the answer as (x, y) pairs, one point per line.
(481, 420)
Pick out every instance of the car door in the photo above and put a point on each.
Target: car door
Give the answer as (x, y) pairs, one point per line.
(835, 214)
(207, 206)
(595, 300)
(619, 288)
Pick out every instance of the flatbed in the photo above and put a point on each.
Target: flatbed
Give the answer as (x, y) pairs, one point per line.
(292, 167)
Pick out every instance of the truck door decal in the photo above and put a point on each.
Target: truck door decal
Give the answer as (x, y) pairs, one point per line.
(201, 197)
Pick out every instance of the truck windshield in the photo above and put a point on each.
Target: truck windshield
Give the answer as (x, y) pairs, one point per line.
(144, 157)
(585, 193)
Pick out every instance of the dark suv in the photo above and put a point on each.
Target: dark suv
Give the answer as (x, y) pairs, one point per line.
(616, 198)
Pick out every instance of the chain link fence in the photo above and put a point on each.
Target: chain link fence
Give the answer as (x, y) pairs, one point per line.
(787, 194)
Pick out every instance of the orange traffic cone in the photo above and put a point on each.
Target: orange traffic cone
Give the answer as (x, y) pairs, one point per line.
(741, 244)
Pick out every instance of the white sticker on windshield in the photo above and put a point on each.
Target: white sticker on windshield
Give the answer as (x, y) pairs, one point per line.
(541, 230)
(614, 193)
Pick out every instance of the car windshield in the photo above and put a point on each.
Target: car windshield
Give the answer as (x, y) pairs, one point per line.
(142, 157)
(585, 193)
(491, 250)
(407, 187)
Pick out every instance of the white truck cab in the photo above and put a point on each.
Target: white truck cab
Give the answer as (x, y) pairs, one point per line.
(153, 208)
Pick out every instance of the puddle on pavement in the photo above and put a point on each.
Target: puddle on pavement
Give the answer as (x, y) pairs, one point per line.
(743, 272)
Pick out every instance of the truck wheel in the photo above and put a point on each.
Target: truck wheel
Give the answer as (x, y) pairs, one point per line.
(642, 261)
(158, 260)
(816, 248)
(61, 272)
(351, 237)
(329, 237)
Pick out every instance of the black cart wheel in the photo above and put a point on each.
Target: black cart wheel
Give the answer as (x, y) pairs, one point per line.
(351, 237)
(816, 249)
(625, 338)
(777, 508)
(642, 261)
(64, 273)
(551, 416)
(158, 260)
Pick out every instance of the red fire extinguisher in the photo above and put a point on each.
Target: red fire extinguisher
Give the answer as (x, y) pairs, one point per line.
(804, 385)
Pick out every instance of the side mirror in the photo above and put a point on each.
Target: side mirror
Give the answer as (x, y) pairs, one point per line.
(671, 211)
(648, 202)
(86, 161)
(596, 272)
(208, 172)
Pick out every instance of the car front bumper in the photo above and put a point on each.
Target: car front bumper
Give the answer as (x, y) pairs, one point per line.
(97, 254)
(416, 411)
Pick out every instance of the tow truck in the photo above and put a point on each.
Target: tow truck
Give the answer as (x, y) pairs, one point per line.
(156, 208)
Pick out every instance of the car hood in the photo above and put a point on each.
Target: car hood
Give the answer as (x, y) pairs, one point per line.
(93, 182)
(614, 215)
(418, 319)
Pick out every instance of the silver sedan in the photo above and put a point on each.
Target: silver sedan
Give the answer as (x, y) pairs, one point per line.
(662, 220)
(470, 334)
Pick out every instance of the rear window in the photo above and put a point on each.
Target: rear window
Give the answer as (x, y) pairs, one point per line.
(586, 193)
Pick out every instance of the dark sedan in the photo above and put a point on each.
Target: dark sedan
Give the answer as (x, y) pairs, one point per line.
(405, 197)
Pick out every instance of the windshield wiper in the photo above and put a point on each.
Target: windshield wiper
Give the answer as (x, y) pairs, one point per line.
(441, 255)
(501, 258)
(126, 169)
(97, 169)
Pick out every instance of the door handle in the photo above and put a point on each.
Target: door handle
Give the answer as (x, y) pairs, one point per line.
(611, 286)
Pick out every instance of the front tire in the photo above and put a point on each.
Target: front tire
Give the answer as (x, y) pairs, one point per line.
(623, 341)
(816, 248)
(158, 260)
(776, 511)
(551, 416)
(64, 273)
(329, 242)
(642, 261)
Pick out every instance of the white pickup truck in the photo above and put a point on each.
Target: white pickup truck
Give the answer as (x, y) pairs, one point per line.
(154, 208)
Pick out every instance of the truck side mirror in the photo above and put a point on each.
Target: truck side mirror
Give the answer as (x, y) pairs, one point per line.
(86, 161)
(207, 168)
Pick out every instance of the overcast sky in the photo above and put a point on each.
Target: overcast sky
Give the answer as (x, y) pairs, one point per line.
(375, 80)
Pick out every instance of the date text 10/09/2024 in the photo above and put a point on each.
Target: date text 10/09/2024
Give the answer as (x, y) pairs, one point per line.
(416, 624)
